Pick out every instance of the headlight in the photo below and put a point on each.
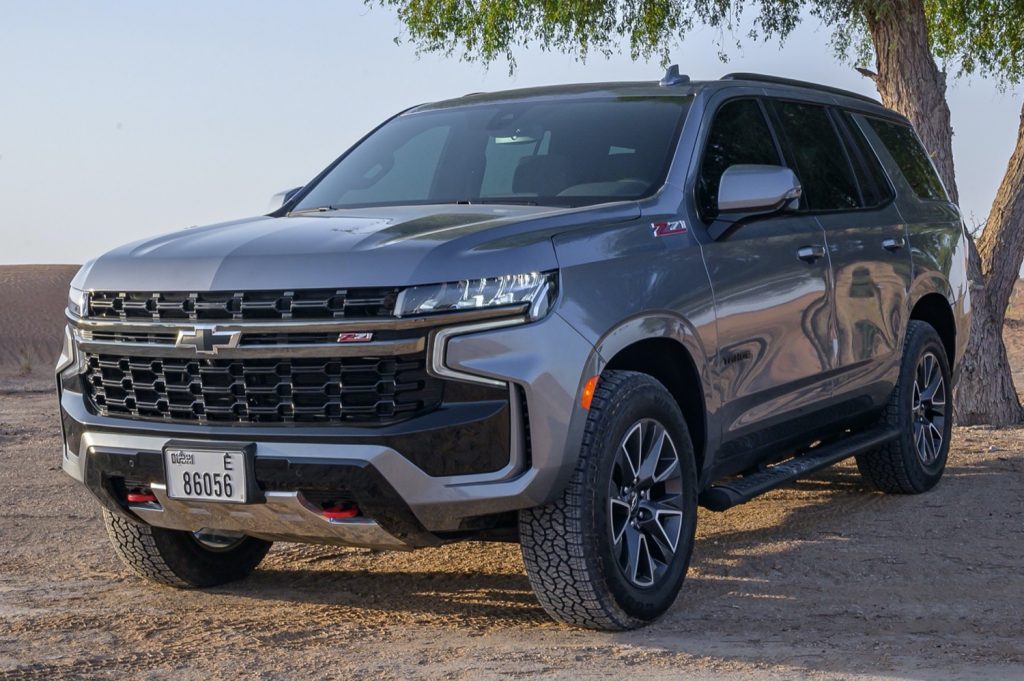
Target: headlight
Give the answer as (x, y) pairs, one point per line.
(535, 288)
(78, 300)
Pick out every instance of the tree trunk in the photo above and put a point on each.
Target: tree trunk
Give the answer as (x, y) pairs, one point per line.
(986, 393)
(910, 82)
(908, 79)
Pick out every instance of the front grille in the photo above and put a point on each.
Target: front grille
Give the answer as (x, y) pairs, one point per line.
(324, 304)
(300, 390)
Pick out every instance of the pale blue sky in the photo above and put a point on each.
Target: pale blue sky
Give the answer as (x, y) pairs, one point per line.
(124, 119)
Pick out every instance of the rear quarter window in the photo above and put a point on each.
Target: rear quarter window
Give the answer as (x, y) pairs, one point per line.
(874, 184)
(905, 148)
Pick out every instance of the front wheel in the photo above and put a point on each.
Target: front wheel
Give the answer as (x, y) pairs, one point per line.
(921, 408)
(612, 552)
(183, 559)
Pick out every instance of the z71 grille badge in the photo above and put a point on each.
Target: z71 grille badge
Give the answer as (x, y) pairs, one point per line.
(355, 337)
(669, 228)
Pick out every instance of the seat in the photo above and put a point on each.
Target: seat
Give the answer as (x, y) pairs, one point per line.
(545, 175)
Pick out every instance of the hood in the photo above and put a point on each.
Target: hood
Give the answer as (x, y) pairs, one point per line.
(368, 247)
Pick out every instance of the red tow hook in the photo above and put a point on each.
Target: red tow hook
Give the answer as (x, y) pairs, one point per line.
(340, 512)
(141, 498)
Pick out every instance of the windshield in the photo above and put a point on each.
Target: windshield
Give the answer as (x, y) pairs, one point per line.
(560, 153)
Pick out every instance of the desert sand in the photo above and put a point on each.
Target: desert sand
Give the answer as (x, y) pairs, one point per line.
(823, 579)
(32, 301)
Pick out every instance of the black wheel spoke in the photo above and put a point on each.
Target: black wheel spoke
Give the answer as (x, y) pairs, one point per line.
(656, 436)
(619, 517)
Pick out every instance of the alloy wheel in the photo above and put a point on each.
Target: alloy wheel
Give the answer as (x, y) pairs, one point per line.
(645, 503)
(929, 409)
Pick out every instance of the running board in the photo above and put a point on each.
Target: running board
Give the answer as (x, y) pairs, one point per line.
(731, 493)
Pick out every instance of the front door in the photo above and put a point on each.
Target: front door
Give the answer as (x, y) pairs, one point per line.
(772, 290)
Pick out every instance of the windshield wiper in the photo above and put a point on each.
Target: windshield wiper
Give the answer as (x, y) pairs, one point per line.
(513, 202)
(318, 209)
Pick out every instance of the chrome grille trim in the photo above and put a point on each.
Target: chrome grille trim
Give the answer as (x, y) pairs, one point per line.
(293, 326)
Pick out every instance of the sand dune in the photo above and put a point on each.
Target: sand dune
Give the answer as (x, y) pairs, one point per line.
(32, 302)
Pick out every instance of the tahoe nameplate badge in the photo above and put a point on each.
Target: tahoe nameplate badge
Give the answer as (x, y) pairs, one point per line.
(209, 475)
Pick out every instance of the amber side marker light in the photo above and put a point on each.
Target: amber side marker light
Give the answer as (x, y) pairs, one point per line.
(588, 392)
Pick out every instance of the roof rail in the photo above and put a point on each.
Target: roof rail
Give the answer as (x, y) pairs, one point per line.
(762, 78)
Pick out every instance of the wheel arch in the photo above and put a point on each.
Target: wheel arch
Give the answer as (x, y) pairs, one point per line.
(935, 310)
(668, 349)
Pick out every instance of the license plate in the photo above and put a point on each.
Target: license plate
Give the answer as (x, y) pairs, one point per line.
(205, 475)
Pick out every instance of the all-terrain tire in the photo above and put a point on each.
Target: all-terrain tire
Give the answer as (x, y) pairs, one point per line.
(897, 467)
(176, 558)
(568, 546)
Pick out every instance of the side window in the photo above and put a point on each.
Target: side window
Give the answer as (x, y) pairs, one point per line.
(739, 134)
(905, 148)
(874, 185)
(818, 156)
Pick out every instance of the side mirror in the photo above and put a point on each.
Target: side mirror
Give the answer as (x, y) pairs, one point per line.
(281, 198)
(751, 191)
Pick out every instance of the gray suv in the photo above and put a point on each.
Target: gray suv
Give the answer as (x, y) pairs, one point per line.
(561, 316)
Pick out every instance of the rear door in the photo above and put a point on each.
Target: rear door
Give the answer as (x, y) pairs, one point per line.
(773, 308)
(847, 191)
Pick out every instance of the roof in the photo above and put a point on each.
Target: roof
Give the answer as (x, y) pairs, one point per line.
(685, 88)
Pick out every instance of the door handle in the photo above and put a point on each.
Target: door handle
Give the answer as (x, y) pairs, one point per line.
(811, 253)
(893, 245)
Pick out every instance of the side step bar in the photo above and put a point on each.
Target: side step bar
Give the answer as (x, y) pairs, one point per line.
(730, 493)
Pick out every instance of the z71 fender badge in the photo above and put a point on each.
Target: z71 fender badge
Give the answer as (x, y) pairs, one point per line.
(669, 228)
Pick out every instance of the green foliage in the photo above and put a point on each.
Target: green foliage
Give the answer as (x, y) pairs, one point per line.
(984, 37)
(485, 30)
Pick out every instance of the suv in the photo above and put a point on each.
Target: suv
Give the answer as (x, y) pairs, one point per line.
(561, 316)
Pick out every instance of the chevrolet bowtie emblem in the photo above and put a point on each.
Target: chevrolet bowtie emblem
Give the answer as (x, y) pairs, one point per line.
(206, 339)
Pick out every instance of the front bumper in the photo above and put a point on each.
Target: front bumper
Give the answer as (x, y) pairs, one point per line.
(382, 470)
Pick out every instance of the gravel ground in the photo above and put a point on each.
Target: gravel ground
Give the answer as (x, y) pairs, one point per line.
(823, 579)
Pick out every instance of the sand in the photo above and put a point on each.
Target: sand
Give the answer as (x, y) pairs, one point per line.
(32, 302)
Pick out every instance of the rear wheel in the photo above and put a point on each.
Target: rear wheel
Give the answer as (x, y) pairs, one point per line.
(921, 408)
(183, 559)
(612, 552)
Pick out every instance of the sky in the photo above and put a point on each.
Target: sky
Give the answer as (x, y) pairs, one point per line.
(120, 120)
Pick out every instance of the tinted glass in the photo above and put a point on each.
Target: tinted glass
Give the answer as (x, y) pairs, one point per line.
(910, 156)
(738, 135)
(874, 185)
(567, 152)
(819, 159)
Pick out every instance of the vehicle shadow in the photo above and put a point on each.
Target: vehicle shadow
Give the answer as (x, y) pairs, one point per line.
(823, 575)
(426, 594)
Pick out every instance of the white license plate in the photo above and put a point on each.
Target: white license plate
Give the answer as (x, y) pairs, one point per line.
(206, 475)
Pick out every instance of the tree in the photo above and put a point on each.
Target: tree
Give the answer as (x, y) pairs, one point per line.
(914, 43)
